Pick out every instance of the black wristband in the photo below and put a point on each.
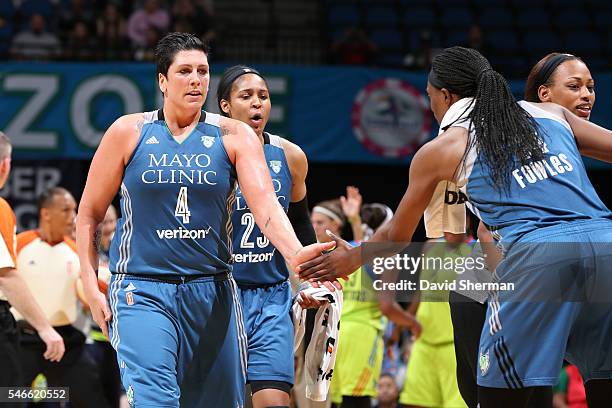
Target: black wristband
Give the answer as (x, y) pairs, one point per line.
(300, 220)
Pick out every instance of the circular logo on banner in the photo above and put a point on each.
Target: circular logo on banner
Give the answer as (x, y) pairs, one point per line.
(391, 118)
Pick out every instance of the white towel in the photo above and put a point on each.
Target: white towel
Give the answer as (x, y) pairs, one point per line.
(446, 211)
(321, 353)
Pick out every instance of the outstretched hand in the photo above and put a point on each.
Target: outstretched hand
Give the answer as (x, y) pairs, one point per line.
(309, 252)
(333, 264)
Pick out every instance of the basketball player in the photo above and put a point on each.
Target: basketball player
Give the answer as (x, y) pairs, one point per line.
(176, 319)
(364, 311)
(259, 269)
(563, 79)
(491, 150)
(14, 292)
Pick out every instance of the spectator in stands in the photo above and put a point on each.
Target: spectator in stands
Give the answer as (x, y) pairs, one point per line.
(47, 261)
(80, 44)
(36, 42)
(147, 53)
(387, 392)
(327, 215)
(570, 392)
(476, 40)
(351, 208)
(142, 20)
(78, 12)
(354, 48)
(423, 53)
(188, 16)
(111, 30)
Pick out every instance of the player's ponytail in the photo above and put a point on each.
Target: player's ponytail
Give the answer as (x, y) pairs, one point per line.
(505, 133)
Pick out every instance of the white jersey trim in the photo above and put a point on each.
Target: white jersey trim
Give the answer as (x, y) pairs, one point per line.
(150, 117)
(538, 112)
(212, 119)
(275, 140)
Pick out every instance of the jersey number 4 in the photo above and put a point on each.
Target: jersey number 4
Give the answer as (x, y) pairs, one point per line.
(182, 208)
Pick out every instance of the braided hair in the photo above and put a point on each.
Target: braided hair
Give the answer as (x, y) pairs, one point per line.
(504, 132)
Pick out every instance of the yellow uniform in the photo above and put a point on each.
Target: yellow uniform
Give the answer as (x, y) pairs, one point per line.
(431, 378)
(360, 349)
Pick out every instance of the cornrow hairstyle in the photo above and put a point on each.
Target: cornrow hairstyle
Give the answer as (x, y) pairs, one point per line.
(542, 72)
(504, 132)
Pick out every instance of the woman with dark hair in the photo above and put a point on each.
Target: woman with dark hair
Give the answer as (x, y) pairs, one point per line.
(519, 164)
(259, 269)
(563, 79)
(559, 78)
(174, 316)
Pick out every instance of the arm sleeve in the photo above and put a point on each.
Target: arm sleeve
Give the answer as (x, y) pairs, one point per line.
(300, 220)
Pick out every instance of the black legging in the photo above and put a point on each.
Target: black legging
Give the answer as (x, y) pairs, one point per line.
(468, 318)
(354, 402)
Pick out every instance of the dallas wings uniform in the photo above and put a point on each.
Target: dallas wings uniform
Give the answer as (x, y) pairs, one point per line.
(262, 277)
(176, 326)
(556, 235)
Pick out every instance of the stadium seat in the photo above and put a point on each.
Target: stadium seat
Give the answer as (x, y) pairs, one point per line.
(413, 38)
(387, 39)
(30, 7)
(455, 17)
(598, 64)
(415, 3)
(603, 20)
(572, 18)
(7, 8)
(502, 40)
(495, 18)
(521, 4)
(419, 18)
(539, 43)
(456, 37)
(343, 14)
(391, 59)
(533, 18)
(381, 16)
(465, 4)
(583, 43)
(6, 33)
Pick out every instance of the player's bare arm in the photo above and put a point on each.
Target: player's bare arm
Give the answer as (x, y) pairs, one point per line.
(103, 181)
(298, 166)
(593, 141)
(245, 152)
(437, 160)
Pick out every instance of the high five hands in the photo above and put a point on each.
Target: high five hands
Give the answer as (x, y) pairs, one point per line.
(337, 262)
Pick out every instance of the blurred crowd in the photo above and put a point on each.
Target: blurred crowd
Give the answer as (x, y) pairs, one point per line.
(92, 30)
